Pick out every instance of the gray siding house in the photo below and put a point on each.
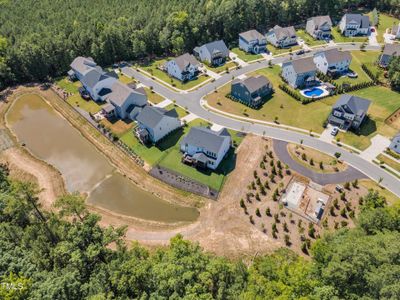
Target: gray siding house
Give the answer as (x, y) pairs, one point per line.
(252, 42)
(395, 143)
(349, 112)
(390, 51)
(354, 24)
(300, 73)
(282, 37)
(252, 90)
(333, 61)
(214, 53)
(184, 67)
(319, 27)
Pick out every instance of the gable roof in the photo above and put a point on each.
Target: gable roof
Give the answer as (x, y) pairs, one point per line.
(150, 116)
(358, 18)
(302, 65)
(253, 83)
(356, 105)
(284, 32)
(216, 46)
(334, 55)
(392, 49)
(251, 35)
(93, 76)
(120, 93)
(321, 20)
(185, 59)
(83, 64)
(206, 138)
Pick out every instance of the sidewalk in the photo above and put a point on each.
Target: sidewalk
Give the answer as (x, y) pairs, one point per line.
(234, 57)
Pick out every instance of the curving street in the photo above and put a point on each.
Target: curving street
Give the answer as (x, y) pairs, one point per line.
(193, 100)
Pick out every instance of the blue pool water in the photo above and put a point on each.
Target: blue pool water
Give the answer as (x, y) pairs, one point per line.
(314, 92)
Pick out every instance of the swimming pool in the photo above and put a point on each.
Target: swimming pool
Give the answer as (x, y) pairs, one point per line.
(315, 92)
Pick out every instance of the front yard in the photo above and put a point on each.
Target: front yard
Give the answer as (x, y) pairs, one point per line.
(247, 57)
(277, 51)
(308, 39)
(181, 112)
(385, 22)
(229, 64)
(153, 97)
(339, 38)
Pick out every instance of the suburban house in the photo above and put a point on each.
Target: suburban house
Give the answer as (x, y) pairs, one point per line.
(252, 90)
(205, 148)
(154, 123)
(396, 31)
(354, 24)
(124, 102)
(299, 73)
(319, 27)
(282, 37)
(390, 51)
(184, 67)
(96, 81)
(333, 61)
(214, 53)
(395, 143)
(349, 112)
(252, 42)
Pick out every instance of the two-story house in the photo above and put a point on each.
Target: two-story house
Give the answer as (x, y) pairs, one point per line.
(154, 123)
(184, 67)
(395, 143)
(282, 37)
(333, 61)
(204, 147)
(252, 42)
(389, 51)
(349, 112)
(299, 73)
(319, 27)
(354, 25)
(252, 90)
(214, 53)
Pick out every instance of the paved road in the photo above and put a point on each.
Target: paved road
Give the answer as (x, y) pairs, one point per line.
(192, 101)
(350, 174)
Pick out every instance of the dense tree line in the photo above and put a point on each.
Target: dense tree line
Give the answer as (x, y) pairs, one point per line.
(67, 255)
(394, 73)
(39, 39)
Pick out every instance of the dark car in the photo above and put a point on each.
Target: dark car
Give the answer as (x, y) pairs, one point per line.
(84, 93)
(123, 64)
(300, 52)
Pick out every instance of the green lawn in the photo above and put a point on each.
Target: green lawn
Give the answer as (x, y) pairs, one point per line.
(87, 105)
(68, 86)
(247, 57)
(390, 162)
(385, 22)
(125, 79)
(308, 39)
(181, 112)
(228, 64)
(277, 51)
(153, 97)
(339, 38)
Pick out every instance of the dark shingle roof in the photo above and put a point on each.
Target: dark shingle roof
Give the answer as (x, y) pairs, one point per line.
(150, 116)
(206, 138)
(356, 105)
(251, 35)
(253, 83)
(92, 77)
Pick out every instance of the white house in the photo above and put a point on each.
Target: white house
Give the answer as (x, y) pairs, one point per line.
(300, 72)
(214, 53)
(80, 66)
(252, 42)
(332, 61)
(354, 24)
(184, 67)
(282, 37)
(319, 27)
(395, 144)
(205, 147)
(154, 123)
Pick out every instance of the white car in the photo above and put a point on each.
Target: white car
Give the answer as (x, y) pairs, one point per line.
(334, 131)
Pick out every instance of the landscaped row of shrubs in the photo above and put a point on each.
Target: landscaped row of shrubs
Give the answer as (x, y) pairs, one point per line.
(373, 75)
(229, 96)
(344, 88)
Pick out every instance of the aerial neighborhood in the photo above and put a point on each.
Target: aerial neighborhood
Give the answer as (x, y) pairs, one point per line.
(319, 27)
(282, 37)
(354, 25)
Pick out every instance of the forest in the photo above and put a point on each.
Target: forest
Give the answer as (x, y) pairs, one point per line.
(39, 39)
(65, 254)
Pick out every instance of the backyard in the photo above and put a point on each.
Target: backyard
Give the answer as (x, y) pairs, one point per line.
(247, 57)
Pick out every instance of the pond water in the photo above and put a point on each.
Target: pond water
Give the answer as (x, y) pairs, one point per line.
(51, 138)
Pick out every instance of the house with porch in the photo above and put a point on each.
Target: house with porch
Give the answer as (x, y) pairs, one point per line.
(184, 67)
(252, 42)
(300, 73)
(154, 123)
(282, 37)
(214, 53)
(252, 90)
(333, 61)
(349, 112)
(319, 27)
(205, 148)
(354, 25)
(389, 51)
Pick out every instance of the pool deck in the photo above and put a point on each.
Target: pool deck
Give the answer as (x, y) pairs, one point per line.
(317, 95)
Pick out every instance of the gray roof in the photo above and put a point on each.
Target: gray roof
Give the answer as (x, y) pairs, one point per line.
(334, 55)
(150, 116)
(358, 18)
(83, 64)
(108, 107)
(321, 20)
(392, 49)
(303, 65)
(356, 105)
(206, 138)
(216, 46)
(93, 76)
(284, 32)
(120, 92)
(395, 29)
(253, 83)
(185, 59)
(251, 35)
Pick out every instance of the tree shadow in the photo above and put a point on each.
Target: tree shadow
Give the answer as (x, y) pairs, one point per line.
(367, 127)
(170, 140)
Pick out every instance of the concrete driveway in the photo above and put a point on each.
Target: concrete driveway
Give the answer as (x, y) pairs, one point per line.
(372, 37)
(378, 144)
(326, 135)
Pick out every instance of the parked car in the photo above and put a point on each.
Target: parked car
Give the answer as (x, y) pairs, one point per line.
(84, 93)
(334, 131)
(300, 52)
(352, 75)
